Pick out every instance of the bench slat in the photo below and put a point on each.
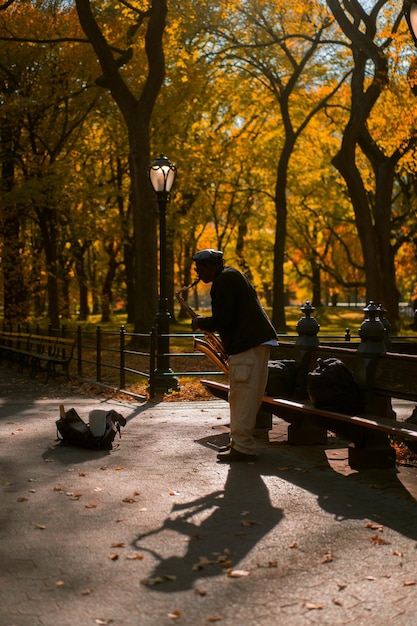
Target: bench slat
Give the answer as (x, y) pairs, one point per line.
(287, 408)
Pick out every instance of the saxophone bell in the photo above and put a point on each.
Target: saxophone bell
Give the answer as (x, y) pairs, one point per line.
(212, 345)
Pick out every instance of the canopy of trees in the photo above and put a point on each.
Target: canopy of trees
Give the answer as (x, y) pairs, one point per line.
(292, 126)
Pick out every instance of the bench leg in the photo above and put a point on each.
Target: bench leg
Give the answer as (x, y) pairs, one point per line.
(306, 431)
(374, 453)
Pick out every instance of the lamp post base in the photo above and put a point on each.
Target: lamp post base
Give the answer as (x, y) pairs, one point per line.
(164, 382)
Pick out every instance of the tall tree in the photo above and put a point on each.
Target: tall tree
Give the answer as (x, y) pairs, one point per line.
(136, 105)
(280, 48)
(366, 161)
(45, 104)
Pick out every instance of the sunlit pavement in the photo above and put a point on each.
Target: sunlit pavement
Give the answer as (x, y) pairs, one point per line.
(157, 532)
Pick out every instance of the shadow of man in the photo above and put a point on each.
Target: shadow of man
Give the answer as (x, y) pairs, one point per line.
(220, 528)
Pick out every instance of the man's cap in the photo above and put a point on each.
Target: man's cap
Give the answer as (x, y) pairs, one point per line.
(208, 256)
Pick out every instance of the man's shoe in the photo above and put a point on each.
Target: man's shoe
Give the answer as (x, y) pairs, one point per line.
(233, 456)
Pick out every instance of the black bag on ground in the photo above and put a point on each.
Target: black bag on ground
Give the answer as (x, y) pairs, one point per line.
(332, 386)
(73, 431)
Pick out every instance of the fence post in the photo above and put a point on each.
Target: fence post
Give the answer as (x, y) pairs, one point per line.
(152, 360)
(122, 357)
(98, 354)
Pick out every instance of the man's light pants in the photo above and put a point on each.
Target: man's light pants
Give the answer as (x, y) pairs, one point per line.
(248, 374)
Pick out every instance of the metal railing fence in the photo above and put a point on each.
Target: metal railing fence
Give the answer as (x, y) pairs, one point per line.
(125, 361)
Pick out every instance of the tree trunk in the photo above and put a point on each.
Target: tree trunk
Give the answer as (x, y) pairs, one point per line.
(137, 115)
(48, 227)
(16, 308)
(278, 307)
(372, 209)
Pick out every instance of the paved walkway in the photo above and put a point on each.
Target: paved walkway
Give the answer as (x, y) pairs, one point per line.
(156, 532)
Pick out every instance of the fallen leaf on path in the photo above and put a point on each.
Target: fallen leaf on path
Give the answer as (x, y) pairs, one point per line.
(202, 562)
(328, 558)
(237, 573)
(149, 582)
(135, 557)
(312, 607)
(174, 614)
(374, 526)
(409, 583)
(378, 540)
(200, 592)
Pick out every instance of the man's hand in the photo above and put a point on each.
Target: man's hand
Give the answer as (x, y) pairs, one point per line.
(195, 322)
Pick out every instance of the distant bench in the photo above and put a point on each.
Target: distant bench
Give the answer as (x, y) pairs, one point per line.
(27, 349)
(381, 376)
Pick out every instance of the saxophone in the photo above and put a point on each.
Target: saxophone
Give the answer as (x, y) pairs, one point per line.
(211, 345)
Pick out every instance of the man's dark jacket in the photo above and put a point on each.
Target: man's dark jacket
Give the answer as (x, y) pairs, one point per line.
(237, 314)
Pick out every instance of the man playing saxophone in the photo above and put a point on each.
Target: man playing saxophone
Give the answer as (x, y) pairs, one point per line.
(247, 335)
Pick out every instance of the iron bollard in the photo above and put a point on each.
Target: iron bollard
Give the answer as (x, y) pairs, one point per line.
(307, 327)
(375, 449)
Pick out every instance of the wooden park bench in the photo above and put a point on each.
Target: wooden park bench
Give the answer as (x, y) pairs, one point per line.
(35, 350)
(381, 375)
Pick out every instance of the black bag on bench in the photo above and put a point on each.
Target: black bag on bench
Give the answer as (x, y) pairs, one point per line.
(73, 431)
(331, 386)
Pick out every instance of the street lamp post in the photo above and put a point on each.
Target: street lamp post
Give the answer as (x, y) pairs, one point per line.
(162, 175)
